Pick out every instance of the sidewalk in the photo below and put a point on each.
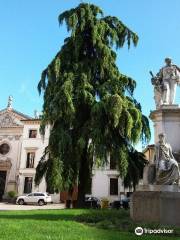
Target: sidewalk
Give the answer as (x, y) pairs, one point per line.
(7, 206)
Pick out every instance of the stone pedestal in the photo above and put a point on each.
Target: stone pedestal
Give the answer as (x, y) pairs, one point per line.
(167, 120)
(156, 204)
(160, 203)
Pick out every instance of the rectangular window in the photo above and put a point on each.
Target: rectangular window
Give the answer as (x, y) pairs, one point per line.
(113, 186)
(28, 184)
(2, 183)
(30, 160)
(39, 195)
(32, 133)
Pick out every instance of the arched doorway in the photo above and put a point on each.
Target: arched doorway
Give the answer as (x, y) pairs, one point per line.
(2, 183)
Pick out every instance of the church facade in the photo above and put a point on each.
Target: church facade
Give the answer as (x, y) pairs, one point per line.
(21, 148)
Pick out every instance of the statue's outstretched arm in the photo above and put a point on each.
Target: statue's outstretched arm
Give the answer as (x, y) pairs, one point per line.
(177, 74)
(178, 68)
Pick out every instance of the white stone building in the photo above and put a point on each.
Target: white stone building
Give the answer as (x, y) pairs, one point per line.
(106, 183)
(21, 147)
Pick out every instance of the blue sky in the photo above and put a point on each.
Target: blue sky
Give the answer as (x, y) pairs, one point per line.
(30, 37)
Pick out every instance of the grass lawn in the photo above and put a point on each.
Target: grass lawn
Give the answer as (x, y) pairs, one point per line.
(71, 225)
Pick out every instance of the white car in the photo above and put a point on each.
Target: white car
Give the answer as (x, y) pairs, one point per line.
(39, 198)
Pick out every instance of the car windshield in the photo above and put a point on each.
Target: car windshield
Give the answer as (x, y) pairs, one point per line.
(30, 195)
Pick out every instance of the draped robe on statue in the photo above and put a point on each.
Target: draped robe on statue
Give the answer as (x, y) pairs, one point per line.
(166, 166)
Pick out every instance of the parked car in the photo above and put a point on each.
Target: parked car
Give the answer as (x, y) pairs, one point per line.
(117, 204)
(122, 203)
(39, 198)
(125, 203)
(92, 202)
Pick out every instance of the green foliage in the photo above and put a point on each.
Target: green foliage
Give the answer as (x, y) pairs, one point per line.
(113, 108)
(88, 103)
(136, 164)
(12, 194)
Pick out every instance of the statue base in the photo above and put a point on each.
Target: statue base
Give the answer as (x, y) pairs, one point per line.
(156, 204)
(169, 106)
(166, 120)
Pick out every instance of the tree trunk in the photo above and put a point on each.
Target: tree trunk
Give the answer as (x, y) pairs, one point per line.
(84, 175)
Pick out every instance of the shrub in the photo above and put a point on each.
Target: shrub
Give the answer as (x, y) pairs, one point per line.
(105, 224)
(104, 203)
(11, 194)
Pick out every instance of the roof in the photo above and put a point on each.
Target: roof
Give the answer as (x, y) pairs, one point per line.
(21, 115)
(31, 119)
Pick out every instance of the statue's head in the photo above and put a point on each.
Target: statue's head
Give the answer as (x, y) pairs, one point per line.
(162, 137)
(168, 61)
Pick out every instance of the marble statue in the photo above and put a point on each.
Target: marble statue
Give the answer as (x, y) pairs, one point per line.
(36, 114)
(10, 100)
(167, 169)
(165, 83)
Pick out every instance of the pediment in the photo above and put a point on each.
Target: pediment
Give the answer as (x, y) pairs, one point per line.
(15, 113)
(7, 120)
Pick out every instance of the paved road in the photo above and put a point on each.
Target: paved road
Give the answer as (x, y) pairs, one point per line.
(7, 206)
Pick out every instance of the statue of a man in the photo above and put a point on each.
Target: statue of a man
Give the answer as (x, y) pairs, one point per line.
(167, 168)
(10, 100)
(165, 83)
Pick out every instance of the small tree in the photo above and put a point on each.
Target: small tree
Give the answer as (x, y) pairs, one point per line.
(88, 103)
(136, 164)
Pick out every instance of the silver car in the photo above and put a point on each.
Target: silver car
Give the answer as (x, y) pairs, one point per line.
(39, 198)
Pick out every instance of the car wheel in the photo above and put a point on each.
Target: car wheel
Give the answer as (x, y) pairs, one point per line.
(41, 202)
(21, 202)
